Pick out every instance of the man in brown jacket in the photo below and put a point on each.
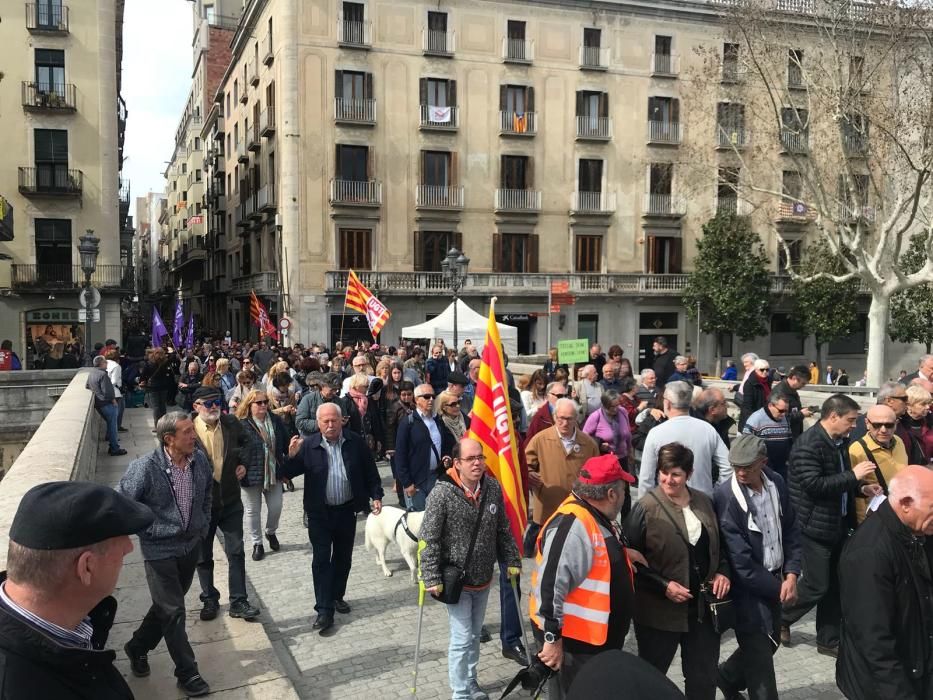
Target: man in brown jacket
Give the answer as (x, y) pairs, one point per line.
(554, 458)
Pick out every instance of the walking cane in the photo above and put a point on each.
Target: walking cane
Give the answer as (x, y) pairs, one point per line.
(414, 685)
(521, 620)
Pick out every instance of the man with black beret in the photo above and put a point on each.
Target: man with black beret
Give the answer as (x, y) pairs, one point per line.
(457, 383)
(67, 544)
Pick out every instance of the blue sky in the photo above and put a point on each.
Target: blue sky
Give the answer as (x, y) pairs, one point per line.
(156, 78)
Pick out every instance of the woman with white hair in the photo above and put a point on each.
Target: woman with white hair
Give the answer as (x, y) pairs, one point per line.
(757, 390)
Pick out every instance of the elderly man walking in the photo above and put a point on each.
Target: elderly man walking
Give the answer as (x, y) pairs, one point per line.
(175, 481)
(885, 581)
(881, 447)
(340, 479)
(105, 401)
(422, 446)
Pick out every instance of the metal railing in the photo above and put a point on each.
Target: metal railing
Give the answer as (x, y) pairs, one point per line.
(521, 50)
(518, 200)
(359, 192)
(432, 117)
(254, 140)
(665, 64)
(439, 196)
(267, 121)
(855, 144)
(593, 202)
(45, 17)
(260, 282)
(665, 205)
(51, 180)
(525, 124)
(241, 153)
(732, 204)
(438, 42)
(795, 80)
(732, 72)
(357, 111)
(67, 276)
(795, 6)
(594, 57)
(663, 132)
(266, 198)
(852, 214)
(594, 127)
(252, 74)
(795, 142)
(53, 97)
(731, 136)
(354, 33)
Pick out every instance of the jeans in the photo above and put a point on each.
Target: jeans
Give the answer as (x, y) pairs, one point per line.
(331, 532)
(109, 413)
(169, 581)
(466, 620)
(158, 402)
(510, 629)
(699, 653)
(819, 586)
(419, 500)
(252, 497)
(751, 666)
(229, 519)
(121, 407)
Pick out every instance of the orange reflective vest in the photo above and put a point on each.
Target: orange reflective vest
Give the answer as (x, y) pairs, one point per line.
(586, 607)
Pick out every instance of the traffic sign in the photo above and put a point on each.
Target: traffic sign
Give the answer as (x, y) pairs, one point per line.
(560, 287)
(285, 323)
(89, 297)
(82, 315)
(563, 299)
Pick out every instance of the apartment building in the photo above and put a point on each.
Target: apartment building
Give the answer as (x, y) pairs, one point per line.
(61, 135)
(566, 150)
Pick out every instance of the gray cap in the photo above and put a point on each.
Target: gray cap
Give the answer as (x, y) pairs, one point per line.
(746, 449)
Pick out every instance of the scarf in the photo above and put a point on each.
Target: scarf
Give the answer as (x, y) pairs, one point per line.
(267, 433)
(765, 385)
(457, 426)
(361, 401)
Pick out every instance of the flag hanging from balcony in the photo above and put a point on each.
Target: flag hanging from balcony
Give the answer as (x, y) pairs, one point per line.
(491, 425)
(260, 317)
(439, 115)
(189, 339)
(360, 299)
(159, 330)
(179, 325)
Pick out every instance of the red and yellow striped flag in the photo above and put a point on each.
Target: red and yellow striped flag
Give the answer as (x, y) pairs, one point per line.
(491, 425)
(260, 317)
(363, 301)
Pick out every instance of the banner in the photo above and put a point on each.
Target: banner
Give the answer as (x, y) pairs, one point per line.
(179, 325)
(491, 425)
(260, 317)
(189, 340)
(159, 330)
(360, 299)
(439, 115)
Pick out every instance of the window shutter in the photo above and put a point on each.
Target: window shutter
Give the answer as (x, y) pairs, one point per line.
(532, 253)
(338, 84)
(457, 240)
(650, 253)
(675, 111)
(423, 90)
(529, 173)
(503, 97)
(370, 163)
(497, 252)
(454, 175)
(604, 104)
(580, 99)
(368, 86)
(530, 99)
(419, 252)
(452, 93)
(676, 245)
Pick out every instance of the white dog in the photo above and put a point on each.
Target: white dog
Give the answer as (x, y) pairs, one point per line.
(388, 526)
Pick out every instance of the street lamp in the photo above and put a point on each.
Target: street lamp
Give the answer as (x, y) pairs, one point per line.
(88, 249)
(454, 267)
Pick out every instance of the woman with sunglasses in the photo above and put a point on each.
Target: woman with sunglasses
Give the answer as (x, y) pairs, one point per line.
(264, 457)
(447, 407)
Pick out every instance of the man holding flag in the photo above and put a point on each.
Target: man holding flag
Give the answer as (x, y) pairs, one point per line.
(363, 301)
(179, 325)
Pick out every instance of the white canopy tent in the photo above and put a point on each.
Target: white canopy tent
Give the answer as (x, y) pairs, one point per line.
(469, 325)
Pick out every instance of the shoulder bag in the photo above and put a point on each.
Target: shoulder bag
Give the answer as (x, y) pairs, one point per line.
(452, 575)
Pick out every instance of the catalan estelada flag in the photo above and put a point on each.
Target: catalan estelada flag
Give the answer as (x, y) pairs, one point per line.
(363, 301)
(491, 425)
(260, 317)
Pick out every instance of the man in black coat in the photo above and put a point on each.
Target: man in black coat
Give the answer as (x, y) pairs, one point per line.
(422, 443)
(663, 365)
(796, 379)
(823, 486)
(340, 479)
(885, 578)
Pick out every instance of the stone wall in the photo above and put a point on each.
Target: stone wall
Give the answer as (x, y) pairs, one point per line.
(26, 397)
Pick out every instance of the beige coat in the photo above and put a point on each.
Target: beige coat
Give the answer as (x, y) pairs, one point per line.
(545, 454)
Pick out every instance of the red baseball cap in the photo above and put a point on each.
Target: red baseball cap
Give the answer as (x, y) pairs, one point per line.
(604, 470)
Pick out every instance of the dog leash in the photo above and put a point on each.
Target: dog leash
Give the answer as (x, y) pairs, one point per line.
(403, 521)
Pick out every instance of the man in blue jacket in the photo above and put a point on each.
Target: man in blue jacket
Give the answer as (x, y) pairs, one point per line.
(422, 444)
(762, 541)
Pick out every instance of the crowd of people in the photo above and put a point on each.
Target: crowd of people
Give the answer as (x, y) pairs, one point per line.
(650, 506)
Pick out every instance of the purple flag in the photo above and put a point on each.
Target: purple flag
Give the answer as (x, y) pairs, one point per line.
(159, 330)
(189, 341)
(179, 324)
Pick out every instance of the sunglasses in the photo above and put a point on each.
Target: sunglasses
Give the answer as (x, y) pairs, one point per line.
(452, 403)
(558, 396)
(212, 403)
(261, 402)
(426, 396)
(887, 426)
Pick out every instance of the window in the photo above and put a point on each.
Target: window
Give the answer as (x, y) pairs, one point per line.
(436, 168)
(592, 37)
(49, 14)
(353, 12)
(795, 68)
(662, 45)
(355, 249)
(664, 109)
(431, 247)
(197, 143)
(516, 29)
(795, 248)
(786, 337)
(791, 184)
(730, 62)
(515, 252)
(588, 327)
(590, 175)
(197, 175)
(438, 92)
(236, 90)
(50, 71)
(515, 173)
(437, 21)
(660, 177)
(592, 104)
(795, 130)
(227, 109)
(353, 163)
(51, 148)
(54, 249)
(854, 344)
(727, 186)
(516, 99)
(588, 253)
(663, 254)
(730, 118)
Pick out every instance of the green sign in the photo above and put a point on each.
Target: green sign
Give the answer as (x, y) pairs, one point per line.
(570, 351)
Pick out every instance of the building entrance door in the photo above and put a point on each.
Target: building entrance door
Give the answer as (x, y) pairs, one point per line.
(651, 325)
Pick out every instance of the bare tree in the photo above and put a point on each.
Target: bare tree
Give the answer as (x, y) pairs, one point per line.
(840, 94)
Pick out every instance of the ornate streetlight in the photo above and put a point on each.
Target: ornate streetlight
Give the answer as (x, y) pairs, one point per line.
(455, 267)
(88, 249)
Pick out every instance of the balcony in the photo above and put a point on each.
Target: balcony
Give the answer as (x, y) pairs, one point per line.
(244, 98)
(260, 282)
(353, 34)
(252, 73)
(665, 205)
(594, 57)
(440, 118)
(731, 137)
(518, 50)
(361, 193)
(45, 18)
(593, 203)
(51, 181)
(594, 128)
(795, 79)
(254, 142)
(265, 200)
(515, 124)
(249, 207)
(42, 97)
(267, 122)
(219, 204)
(795, 142)
(354, 111)
(241, 153)
(518, 200)
(794, 212)
(732, 73)
(267, 55)
(438, 42)
(851, 214)
(855, 145)
(439, 197)
(732, 204)
(44, 276)
(665, 65)
(663, 133)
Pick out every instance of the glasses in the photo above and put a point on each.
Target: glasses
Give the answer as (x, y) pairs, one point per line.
(261, 402)
(212, 403)
(883, 425)
(558, 396)
(452, 404)
(899, 398)
(426, 396)
(473, 458)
